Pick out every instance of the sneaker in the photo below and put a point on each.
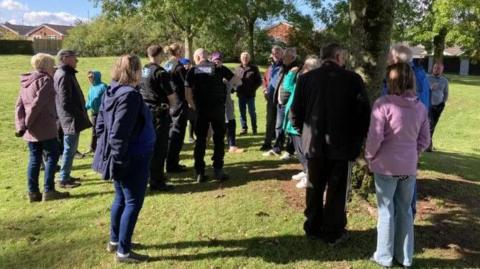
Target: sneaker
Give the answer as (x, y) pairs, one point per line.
(79, 155)
(190, 141)
(34, 197)
(69, 184)
(131, 257)
(112, 248)
(161, 188)
(303, 184)
(299, 176)
(286, 156)
(234, 149)
(270, 153)
(54, 195)
(243, 132)
(372, 259)
(201, 178)
(220, 175)
(265, 147)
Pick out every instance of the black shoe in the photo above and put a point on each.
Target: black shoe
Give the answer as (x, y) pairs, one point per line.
(243, 132)
(220, 175)
(202, 178)
(161, 188)
(265, 147)
(69, 184)
(132, 258)
(335, 240)
(254, 132)
(54, 195)
(34, 197)
(177, 169)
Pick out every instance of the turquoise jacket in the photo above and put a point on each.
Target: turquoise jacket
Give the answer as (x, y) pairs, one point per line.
(95, 93)
(289, 82)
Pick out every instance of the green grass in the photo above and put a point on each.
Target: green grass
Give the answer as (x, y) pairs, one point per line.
(247, 222)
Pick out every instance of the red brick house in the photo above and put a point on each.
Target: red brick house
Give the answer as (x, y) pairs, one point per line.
(14, 31)
(49, 31)
(280, 32)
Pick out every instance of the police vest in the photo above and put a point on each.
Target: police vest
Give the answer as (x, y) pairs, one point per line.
(209, 87)
(151, 86)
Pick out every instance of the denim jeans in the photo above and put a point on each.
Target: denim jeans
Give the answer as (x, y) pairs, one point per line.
(50, 147)
(129, 196)
(70, 146)
(395, 219)
(243, 103)
(279, 132)
(270, 123)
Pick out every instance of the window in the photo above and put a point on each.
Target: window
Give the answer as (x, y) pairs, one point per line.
(54, 37)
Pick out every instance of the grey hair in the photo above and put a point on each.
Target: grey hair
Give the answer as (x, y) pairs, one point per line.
(200, 52)
(276, 47)
(291, 51)
(245, 53)
(311, 62)
(401, 53)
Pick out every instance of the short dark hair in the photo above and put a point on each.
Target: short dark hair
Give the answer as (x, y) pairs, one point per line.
(154, 50)
(330, 50)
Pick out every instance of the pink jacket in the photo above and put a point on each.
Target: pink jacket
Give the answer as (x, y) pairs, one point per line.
(35, 111)
(399, 132)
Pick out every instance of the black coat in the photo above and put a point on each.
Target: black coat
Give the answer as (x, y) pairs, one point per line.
(70, 101)
(251, 80)
(332, 112)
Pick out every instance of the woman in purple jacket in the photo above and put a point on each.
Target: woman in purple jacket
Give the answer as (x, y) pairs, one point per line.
(399, 132)
(35, 121)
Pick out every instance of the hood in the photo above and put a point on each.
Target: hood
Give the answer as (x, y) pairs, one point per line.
(409, 99)
(27, 79)
(111, 95)
(97, 78)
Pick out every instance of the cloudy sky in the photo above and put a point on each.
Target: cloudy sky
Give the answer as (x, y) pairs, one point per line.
(35, 12)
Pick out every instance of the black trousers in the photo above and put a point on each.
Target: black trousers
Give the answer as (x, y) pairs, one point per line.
(214, 116)
(161, 123)
(177, 136)
(192, 119)
(93, 143)
(297, 143)
(327, 220)
(270, 125)
(435, 112)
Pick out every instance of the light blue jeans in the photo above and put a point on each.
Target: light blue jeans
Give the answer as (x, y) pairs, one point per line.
(70, 145)
(395, 219)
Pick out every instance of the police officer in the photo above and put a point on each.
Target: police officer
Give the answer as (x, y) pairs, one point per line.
(205, 93)
(159, 96)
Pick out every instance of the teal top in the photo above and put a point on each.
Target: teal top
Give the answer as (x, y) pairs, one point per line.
(289, 83)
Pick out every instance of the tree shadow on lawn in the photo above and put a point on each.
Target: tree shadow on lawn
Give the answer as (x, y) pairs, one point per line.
(455, 221)
(466, 166)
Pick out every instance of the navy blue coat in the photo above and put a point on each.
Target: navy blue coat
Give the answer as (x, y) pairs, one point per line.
(124, 128)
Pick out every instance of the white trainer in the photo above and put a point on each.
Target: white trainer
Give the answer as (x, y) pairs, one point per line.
(269, 153)
(304, 183)
(299, 176)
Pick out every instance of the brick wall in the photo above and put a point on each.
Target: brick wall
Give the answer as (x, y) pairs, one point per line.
(45, 33)
(280, 32)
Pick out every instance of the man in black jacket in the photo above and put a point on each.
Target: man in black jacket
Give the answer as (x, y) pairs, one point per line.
(72, 115)
(251, 80)
(332, 112)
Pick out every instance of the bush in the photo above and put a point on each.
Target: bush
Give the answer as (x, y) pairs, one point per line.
(16, 47)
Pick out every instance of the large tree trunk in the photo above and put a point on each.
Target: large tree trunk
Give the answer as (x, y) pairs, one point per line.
(189, 46)
(439, 44)
(371, 27)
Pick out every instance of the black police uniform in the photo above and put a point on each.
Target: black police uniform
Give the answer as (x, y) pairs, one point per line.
(155, 87)
(179, 118)
(209, 93)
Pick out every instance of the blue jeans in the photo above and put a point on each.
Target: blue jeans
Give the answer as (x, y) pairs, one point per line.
(129, 196)
(70, 146)
(395, 219)
(243, 103)
(50, 147)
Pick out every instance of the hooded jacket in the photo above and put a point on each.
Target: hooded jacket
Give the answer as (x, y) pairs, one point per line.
(124, 128)
(35, 109)
(95, 93)
(399, 131)
(70, 101)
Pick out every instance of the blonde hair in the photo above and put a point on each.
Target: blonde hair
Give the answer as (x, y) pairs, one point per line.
(400, 79)
(127, 69)
(173, 49)
(42, 62)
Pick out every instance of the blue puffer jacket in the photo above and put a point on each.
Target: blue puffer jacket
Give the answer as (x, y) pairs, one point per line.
(124, 129)
(95, 93)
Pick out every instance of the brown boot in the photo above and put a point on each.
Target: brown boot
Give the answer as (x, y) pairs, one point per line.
(55, 195)
(34, 197)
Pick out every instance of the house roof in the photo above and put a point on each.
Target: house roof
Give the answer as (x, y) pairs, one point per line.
(278, 24)
(61, 29)
(18, 29)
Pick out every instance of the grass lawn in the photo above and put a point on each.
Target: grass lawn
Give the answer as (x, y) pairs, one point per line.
(252, 221)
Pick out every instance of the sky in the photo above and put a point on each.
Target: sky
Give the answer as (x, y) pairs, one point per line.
(35, 12)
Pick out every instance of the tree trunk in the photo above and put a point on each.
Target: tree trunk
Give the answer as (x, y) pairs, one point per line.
(439, 44)
(251, 46)
(189, 46)
(371, 27)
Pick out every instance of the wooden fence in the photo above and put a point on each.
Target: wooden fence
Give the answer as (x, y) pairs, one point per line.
(47, 46)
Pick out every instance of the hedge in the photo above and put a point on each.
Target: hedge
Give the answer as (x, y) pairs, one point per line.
(16, 47)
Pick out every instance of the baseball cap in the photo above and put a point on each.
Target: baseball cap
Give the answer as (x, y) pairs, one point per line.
(65, 53)
(184, 61)
(217, 55)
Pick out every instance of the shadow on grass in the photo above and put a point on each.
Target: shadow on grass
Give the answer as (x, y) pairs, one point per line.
(466, 166)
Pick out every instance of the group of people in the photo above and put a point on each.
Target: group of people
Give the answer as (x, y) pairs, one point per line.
(317, 110)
